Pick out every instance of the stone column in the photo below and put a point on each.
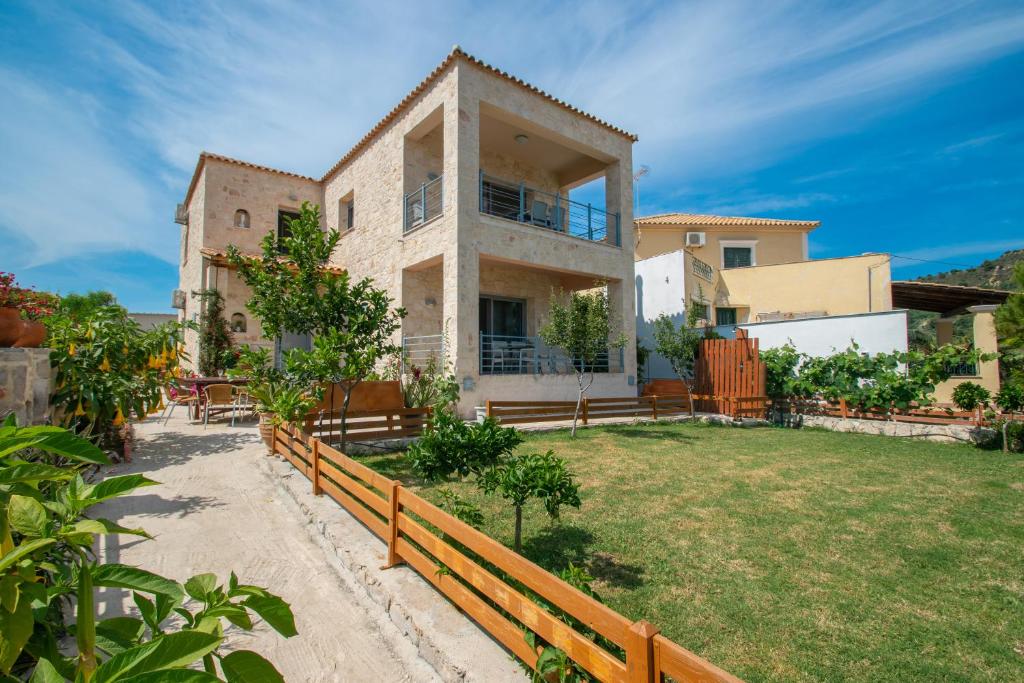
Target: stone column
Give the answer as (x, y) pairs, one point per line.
(985, 340)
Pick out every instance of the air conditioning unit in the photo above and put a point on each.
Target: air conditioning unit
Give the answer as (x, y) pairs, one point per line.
(181, 215)
(695, 239)
(178, 299)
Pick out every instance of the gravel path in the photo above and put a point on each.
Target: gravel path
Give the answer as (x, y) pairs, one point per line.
(215, 512)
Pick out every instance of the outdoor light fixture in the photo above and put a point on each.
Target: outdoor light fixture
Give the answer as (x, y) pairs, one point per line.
(522, 139)
(430, 301)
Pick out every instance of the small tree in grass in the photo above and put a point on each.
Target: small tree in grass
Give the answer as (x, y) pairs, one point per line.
(970, 396)
(1010, 400)
(582, 328)
(532, 475)
(678, 345)
(215, 340)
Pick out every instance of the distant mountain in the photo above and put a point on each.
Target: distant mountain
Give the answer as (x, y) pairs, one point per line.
(995, 273)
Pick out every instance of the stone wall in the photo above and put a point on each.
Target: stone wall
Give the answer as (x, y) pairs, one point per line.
(927, 432)
(25, 384)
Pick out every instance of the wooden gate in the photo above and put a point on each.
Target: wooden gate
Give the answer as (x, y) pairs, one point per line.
(731, 371)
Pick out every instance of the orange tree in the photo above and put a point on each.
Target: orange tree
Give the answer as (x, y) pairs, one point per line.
(109, 370)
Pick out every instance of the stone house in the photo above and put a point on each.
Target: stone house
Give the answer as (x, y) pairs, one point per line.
(460, 203)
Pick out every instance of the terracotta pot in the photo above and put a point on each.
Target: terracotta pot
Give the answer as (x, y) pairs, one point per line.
(33, 334)
(10, 326)
(267, 431)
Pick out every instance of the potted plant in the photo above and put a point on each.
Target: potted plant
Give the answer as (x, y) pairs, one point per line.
(10, 316)
(35, 307)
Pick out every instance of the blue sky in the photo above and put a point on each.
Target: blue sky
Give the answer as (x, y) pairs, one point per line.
(899, 125)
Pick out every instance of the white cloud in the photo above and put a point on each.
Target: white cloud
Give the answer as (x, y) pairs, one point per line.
(765, 203)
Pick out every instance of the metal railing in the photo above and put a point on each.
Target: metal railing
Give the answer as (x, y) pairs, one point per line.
(424, 204)
(502, 354)
(963, 370)
(701, 269)
(517, 202)
(419, 350)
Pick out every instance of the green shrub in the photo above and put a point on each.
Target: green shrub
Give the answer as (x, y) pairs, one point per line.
(454, 447)
(970, 396)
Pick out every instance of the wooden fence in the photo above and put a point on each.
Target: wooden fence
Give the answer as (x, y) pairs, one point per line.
(489, 582)
(653, 406)
(368, 425)
(729, 376)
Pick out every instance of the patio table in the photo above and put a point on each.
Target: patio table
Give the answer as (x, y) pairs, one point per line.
(199, 384)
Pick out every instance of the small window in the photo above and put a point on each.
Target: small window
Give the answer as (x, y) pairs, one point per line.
(238, 323)
(241, 218)
(702, 310)
(346, 213)
(737, 257)
(725, 316)
(284, 224)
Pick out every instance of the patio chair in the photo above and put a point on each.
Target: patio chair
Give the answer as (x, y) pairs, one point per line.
(174, 397)
(219, 396)
(242, 400)
(539, 214)
(499, 352)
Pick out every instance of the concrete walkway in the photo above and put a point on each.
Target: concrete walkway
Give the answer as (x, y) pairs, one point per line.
(216, 510)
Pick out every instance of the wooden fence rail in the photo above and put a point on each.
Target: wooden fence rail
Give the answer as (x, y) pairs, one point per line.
(652, 406)
(495, 586)
(368, 425)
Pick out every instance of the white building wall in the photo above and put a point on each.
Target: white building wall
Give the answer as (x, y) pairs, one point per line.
(882, 332)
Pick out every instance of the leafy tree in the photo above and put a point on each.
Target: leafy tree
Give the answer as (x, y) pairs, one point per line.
(532, 475)
(1010, 327)
(109, 370)
(582, 328)
(679, 346)
(295, 290)
(82, 306)
(1010, 400)
(453, 447)
(48, 573)
(215, 341)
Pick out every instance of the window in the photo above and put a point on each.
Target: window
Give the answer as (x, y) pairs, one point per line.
(346, 213)
(241, 218)
(702, 310)
(238, 323)
(725, 316)
(284, 220)
(738, 253)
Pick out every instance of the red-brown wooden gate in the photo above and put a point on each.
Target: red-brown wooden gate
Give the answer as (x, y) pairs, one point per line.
(731, 371)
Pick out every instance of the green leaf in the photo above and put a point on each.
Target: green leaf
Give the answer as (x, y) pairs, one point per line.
(170, 651)
(33, 472)
(173, 676)
(45, 672)
(27, 516)
(200, 585)
(112, 487)
(23, 550)
(148, 611)
(10, 591)
(85, 621)
(236, 614)
(274, 611)
(126, 629)
(15, 630)
(133, 578)
(55, 440)
(245, 666)
(102, 526)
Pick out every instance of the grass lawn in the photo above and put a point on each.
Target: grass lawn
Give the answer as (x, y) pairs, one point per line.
(792, 555)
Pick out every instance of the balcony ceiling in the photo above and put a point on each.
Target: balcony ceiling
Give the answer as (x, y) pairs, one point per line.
(941, 298)
(539, 151)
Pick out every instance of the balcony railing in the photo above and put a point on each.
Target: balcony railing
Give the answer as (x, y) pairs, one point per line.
(517, 202)
(701, 269)
(963, 370)
(512, 355)
(418, 351)
(424, 204)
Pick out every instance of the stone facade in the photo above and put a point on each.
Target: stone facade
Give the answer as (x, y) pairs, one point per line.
(26, 381)
(466, 118)
(926, 432)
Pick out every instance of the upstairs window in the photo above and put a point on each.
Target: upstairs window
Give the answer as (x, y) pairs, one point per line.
(238, 323)
(738, 254)
(241, 218)
(346, 213)
(284, 220)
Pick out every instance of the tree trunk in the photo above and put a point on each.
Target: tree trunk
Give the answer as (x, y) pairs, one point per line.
(344, 413)
(1006, 444)
(519, 528)
(576, 415)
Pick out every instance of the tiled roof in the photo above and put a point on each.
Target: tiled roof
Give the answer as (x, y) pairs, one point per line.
(203, 156)
(702, 219)
(458, 53)
(219, 257)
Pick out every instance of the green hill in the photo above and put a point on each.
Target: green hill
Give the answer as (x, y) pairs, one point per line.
(994, 273)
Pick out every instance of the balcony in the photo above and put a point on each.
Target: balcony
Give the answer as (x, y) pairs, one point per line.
(701, 269)
(513, 355)
(529, 206)
(423, 204)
